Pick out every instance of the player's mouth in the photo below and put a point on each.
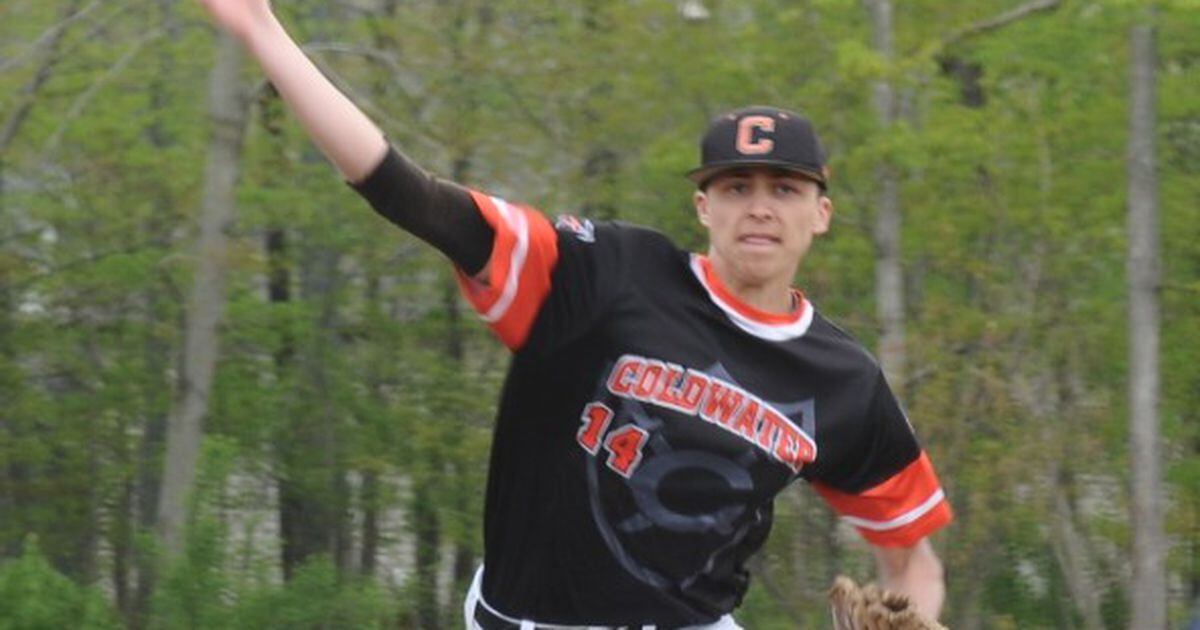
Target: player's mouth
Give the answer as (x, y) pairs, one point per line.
(759, 240)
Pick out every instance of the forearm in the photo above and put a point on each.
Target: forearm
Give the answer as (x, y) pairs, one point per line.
(336, 125)
(915, 572)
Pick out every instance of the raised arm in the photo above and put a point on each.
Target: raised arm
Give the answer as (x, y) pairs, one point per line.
(440, 213)
(339, 128)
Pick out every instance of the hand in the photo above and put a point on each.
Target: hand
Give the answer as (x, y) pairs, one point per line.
(871, 608)
(241, 18)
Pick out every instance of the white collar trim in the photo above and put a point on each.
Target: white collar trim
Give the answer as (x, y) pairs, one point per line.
(770, 332)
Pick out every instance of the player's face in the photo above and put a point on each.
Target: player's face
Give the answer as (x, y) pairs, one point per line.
(761, 222)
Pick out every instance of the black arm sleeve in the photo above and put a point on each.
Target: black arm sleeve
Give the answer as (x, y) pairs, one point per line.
(438, 212)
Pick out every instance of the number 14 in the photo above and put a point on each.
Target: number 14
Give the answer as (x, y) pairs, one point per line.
(624, 445)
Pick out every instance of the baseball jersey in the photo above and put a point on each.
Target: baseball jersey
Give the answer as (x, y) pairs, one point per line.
(649, 418)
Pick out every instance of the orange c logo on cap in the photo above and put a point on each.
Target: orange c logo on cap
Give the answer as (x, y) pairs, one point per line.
(747, 144)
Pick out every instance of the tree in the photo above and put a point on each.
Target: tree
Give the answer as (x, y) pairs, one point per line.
(889, 269)
(1148, 591)
(228, 114)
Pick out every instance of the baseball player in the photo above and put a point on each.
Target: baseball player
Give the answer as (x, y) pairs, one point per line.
(657, 400)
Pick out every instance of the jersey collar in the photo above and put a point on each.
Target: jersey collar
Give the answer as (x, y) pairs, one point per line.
(763, 324)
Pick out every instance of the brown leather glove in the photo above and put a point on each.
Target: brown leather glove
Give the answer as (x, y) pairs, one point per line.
(872, 608)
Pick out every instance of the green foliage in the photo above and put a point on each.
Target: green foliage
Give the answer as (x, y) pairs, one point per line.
(197, 593)
(1013, 247)
(316, 597)
(33, 596)
(194, 589)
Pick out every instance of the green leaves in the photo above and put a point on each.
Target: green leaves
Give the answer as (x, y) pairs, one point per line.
(34, 595)
(1010, 146)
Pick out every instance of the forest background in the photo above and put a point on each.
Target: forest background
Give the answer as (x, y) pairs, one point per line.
(174, 254)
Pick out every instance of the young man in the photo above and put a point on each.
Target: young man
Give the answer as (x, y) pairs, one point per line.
(657, 401)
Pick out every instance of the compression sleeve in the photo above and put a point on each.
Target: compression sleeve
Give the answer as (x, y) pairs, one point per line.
(438, 212)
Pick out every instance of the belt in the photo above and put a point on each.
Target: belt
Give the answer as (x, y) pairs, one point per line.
(489, 620)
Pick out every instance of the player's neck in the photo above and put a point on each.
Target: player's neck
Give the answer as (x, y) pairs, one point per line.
(771, 295)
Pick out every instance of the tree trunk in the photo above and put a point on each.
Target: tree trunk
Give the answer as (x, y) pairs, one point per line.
(156, 352)
(313, 491)
(889, 272)
(1148, 592)
(228, 111)
(369, 495)
(462, 561)
(1073, 558)
(368, 555)
(427, 528)
(600, 161)
(122, 537)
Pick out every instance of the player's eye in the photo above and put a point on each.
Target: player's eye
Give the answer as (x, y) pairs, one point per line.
(738, 187)
(786, 189)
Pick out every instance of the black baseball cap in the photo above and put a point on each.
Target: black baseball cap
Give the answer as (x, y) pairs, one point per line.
(761, 136)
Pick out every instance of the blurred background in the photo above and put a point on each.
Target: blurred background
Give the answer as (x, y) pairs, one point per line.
(231, 396)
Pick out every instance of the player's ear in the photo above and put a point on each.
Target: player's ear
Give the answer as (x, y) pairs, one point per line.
(701, 202)
(824, 214)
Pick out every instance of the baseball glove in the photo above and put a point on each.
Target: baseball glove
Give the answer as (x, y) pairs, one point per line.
(872, 608)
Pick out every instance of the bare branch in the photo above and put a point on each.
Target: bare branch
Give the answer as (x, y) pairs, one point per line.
(85, 98)
(50, 37)
(1004, 19)
(83, 261)
(30, 89)
(759, 567)
(375, 111)
(528, 114)
(374, 54)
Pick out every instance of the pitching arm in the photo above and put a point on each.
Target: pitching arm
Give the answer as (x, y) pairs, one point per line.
(340, 130)
(440, 213)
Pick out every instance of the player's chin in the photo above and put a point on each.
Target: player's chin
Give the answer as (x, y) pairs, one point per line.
(760, 254)
(759, 269)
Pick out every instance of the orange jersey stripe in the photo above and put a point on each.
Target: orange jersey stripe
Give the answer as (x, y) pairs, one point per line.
(714, 284)
(524, 253)
(898, 512)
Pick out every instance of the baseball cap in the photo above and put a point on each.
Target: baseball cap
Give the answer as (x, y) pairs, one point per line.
(761, 136)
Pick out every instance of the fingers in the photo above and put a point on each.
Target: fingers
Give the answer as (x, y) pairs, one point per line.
(873, 608)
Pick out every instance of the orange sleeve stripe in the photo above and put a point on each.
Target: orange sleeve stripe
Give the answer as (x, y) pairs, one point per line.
(484, 295)
(907, 506)
(523, 257)
(911, 534)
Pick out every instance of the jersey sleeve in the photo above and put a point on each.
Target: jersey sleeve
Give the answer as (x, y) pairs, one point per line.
(545, 284)
(524, 254)
(887, 488)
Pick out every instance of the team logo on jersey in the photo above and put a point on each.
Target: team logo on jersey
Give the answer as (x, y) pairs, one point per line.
(581, 228)
(707, 491)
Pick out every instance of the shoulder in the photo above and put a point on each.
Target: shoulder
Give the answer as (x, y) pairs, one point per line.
(842, 346)
(627, 238)
(587, 230)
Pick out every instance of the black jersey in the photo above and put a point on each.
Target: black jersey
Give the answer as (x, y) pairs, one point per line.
(649, 418)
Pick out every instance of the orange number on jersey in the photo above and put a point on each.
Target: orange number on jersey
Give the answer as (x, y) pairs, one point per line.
(596, 417)
(625, 449)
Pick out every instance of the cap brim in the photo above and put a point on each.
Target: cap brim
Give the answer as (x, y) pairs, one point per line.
(705, 173)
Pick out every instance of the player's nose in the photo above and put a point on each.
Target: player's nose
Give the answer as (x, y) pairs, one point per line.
(761, 203)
